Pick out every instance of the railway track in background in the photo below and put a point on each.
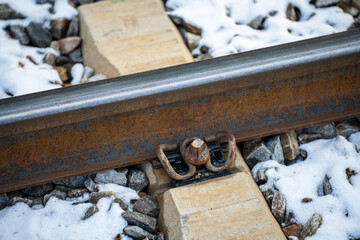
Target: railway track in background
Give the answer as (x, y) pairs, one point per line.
(49, 136)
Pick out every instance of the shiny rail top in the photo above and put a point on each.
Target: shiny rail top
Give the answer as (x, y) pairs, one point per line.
(117, 122)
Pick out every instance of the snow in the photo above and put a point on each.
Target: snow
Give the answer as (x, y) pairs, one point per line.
(355, 139)
(341, 209)
(59, 219)
(225, 30)
(77, 72)
(16, 80)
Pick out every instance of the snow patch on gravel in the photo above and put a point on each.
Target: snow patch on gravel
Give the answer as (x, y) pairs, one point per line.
(14, 79)
(340, 210)
(60, 219)
(225, 34)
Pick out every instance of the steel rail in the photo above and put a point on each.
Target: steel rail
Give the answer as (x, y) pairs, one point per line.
(78, 130)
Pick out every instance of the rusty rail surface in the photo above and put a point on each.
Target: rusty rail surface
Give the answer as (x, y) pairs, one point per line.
(118, 122)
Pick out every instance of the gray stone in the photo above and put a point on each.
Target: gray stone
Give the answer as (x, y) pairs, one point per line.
(187, 26)
(59, 27)
(52, 2)
(40, 37)
(96, 196)
(147, 205)
(68, 44)
(325, 3)
(273, 13)
(75, 193)
(123, 205)
(311, 226)
(88, 73)
(293, 13)
(258, 22)
(37, 201)
(55, 45)
(38, 191)
(255, 151)
(76, 56)
(305, 138)
(268, 195)
(62, 60)
(289, 145)
(73, 29)
(191, 28)
(138, 233)
(192, 40)
(327, 189)
(141, 220)
(90, 185)
(326, 130)
(94, 78)
(111, 176)
(261, 176)
(18, 32)
(76, 182)
(203, 57)
(137, 180)
(91, 211)
(204, 49)
(278, 207)
(50, 59)
(289, 219)
(16, 200)
(303, 153)
(4, 201)
(54, 193)
(6, 12)
(160, 236)
(274, 145)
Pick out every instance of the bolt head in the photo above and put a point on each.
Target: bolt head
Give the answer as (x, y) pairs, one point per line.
(197, 153)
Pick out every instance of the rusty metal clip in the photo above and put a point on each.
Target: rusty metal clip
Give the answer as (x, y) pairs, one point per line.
(169, 169)
(231, 150)
(195, 153)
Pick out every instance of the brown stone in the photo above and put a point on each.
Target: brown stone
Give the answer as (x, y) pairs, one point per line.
(62, 73)
(278, 207)
(306, 200)
(311, 226)
(31, 59)
(293, 13)
(59, 27)
(68, 44)
(192, 40)
(290, 145)
(124, 37)
(6, 13)
(292, 230)
(142, 194)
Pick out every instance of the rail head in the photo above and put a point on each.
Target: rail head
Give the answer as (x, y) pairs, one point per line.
(163, 86)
